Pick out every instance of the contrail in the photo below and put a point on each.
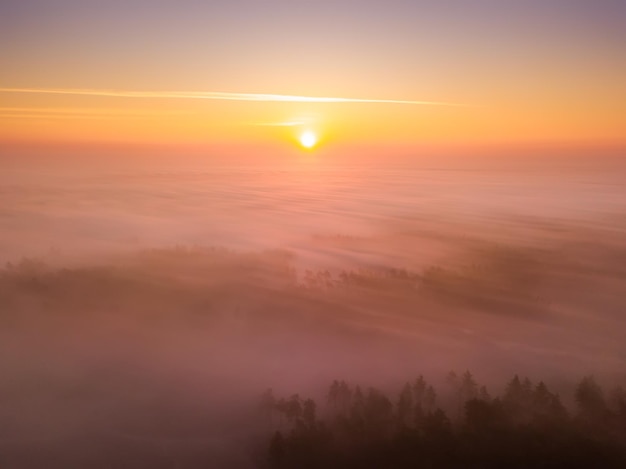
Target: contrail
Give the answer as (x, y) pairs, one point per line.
(218, 96)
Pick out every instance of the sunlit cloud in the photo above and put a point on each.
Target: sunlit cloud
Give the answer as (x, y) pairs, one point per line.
(280, 124)
(219, 96)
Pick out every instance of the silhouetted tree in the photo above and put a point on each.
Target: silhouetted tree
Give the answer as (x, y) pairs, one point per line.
(482, 416)
(293, 408)
(517, 399)
(590, 399)
(309, 412)
(333, 395)
(527, 427)
(483, 394)
(468, 387)
(617, 401)
(281, 409)
(405, 406)
(277, 450)
(344, 396)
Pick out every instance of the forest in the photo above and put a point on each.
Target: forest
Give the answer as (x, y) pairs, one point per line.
(526, 425)
(157, 357)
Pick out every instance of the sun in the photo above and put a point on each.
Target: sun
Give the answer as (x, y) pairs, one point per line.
(308, 139)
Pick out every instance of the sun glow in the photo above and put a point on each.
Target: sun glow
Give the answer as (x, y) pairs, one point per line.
(308, 139)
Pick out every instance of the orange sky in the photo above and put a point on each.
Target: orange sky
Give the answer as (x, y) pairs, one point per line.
(497, 77)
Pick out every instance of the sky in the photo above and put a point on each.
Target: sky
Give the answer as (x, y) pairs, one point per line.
(395, 74)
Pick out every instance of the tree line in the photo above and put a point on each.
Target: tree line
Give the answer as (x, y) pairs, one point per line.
(526, 426)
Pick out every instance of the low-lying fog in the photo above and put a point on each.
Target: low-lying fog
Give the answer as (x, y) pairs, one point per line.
(142, 313)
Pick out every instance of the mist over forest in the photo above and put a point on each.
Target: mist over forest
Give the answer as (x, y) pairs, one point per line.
(120, 347)
(319, 234)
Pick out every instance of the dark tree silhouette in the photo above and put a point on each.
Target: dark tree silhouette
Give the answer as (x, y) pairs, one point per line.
(527, 426)
(590, 398)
